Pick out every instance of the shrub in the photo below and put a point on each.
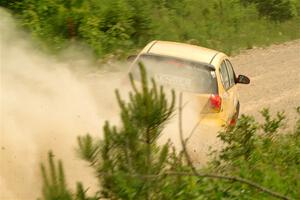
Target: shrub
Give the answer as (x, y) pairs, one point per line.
(108, 27)
(263, 153)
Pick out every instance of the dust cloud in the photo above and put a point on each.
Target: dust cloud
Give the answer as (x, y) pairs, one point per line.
(46, 102)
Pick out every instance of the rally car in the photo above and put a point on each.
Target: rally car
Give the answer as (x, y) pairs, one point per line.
(203, 74)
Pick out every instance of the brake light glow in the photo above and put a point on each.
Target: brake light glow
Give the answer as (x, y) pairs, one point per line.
(215, 102)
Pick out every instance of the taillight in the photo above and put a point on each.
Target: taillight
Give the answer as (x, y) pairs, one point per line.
(215, 102)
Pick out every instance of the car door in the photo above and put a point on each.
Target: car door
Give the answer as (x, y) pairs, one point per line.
(233, 88)
(228, 82)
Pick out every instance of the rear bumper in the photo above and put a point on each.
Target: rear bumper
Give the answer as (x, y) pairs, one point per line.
(212, 120)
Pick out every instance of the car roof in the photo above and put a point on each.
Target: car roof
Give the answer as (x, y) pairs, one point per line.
(181, 50)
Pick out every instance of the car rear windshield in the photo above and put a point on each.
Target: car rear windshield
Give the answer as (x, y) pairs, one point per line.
(177, 73)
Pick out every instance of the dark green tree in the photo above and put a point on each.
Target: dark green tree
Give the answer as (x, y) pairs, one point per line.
(275, 10)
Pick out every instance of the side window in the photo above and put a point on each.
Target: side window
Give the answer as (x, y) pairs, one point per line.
(230, 73)
(224, 76)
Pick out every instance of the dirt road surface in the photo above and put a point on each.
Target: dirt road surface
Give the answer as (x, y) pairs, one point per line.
(275, 79)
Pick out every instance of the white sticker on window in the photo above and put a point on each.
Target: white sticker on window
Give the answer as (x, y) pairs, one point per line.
(213, 74)
(166, 79)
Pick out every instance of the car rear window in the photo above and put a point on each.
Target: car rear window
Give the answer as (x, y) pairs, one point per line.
(177, 73)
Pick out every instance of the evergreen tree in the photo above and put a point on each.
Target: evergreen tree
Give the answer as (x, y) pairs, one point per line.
(128, 160)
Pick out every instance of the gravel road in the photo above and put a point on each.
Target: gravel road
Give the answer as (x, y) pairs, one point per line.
(275, 78)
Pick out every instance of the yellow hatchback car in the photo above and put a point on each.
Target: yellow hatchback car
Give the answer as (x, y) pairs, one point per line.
(205, 75)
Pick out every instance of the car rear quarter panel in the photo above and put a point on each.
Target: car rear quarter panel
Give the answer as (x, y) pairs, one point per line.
(230, 106)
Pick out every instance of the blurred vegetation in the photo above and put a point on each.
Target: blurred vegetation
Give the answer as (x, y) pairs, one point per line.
(262, 152)
(119, 27)
(259, 160)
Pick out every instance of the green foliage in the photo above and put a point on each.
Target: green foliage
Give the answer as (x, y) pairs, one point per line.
(262, 153)
(105, 26)
(276, 10)
(121, 26)
(271, 125)
(54, 185)
(240, 139)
